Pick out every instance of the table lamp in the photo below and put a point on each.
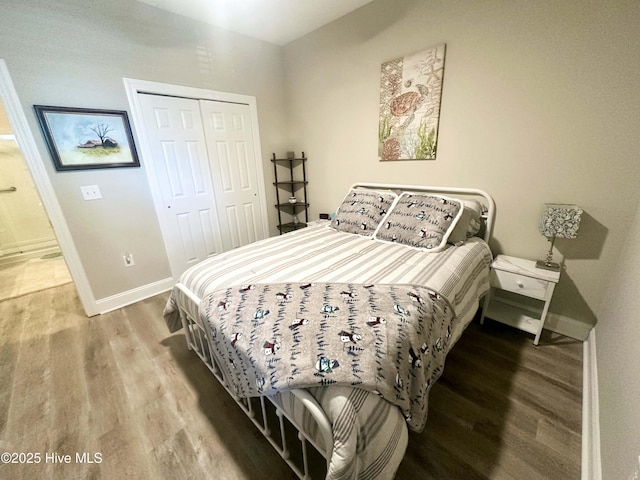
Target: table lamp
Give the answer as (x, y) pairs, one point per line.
(558, 220)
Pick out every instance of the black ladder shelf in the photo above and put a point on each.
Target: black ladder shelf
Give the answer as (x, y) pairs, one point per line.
(292, 186)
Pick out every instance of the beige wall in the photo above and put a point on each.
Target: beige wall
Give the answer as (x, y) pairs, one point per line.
(619, 363)
(539, 104)
(5, 127)
(74, 54)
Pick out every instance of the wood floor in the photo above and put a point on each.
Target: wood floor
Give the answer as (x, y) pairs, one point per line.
(121, 390)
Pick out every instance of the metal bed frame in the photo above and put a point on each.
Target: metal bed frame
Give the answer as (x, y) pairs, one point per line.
(199, 340)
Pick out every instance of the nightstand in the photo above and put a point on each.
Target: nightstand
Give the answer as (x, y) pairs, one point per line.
(520, 294)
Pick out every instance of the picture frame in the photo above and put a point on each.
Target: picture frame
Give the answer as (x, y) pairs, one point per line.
(87, 138)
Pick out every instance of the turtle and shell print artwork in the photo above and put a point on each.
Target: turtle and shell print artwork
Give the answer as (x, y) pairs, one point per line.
(410, 92)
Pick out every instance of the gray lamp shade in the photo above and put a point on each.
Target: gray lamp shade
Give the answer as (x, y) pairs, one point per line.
(560, 220)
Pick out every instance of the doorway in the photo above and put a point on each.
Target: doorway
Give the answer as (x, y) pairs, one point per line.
(34, 161)
(30, 257)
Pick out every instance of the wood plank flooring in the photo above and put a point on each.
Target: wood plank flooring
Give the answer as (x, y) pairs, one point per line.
(120, 386)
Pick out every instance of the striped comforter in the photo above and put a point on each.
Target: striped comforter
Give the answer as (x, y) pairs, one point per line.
(320, 254)
(370, 435)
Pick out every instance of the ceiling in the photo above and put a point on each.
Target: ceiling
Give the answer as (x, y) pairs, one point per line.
(274, 21)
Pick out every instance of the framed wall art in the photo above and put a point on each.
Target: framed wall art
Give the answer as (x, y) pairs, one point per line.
(84, 138)
(410, 92)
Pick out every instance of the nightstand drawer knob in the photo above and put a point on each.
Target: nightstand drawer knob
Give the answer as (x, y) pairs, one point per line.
(520, 284)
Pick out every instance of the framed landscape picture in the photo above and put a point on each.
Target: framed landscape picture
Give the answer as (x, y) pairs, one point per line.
(84, 138)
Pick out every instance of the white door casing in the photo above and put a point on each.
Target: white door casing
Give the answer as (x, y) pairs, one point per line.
(233, 166)
(179, 154)
(134, 88)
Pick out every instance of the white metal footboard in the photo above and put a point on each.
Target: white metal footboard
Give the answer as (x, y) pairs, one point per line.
(199, 340)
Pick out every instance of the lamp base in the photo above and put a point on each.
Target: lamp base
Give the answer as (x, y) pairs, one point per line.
(554, 267)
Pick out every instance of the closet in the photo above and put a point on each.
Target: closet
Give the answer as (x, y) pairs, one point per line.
(207, 173)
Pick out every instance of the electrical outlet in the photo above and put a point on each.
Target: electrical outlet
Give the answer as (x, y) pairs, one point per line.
(128, 260)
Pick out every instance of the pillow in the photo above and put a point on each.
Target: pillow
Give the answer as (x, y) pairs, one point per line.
(362, 211)
(470, 222)
(475, 222)
(419, 220)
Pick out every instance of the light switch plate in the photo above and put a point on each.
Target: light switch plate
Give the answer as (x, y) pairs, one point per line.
(91, 192)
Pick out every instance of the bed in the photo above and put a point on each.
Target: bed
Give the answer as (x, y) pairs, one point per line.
(343, 326)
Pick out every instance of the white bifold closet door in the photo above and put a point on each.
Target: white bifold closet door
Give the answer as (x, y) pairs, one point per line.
(232, 160)
(205, 165)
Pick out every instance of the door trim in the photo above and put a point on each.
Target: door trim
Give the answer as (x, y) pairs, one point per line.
(35, 163)
(134, 87)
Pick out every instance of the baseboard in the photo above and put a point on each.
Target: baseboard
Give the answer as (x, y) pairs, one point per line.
(123, 299)
(567, 326)
(591, 459)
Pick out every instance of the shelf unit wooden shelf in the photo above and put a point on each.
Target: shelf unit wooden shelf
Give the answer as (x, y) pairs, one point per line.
(294, 186)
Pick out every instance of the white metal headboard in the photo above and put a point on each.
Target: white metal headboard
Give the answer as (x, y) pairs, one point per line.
(489, 215)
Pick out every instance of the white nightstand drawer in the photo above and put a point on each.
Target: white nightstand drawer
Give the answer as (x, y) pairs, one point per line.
(512, 282)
